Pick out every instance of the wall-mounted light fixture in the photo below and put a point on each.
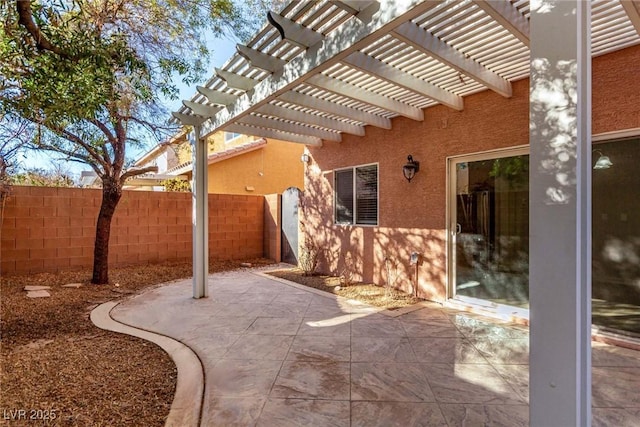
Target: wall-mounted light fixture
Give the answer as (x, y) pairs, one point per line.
(603, 161)
(305, 158)
(409, 170)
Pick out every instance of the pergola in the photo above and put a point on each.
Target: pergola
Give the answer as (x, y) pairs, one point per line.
(323, 68)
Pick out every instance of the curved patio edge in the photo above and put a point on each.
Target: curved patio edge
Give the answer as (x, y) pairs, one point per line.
(187, 401)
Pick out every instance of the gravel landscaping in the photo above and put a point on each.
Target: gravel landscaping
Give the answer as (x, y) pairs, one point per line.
(368, 293)
(57, 366)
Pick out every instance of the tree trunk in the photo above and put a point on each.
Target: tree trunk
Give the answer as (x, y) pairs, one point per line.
(111, 193)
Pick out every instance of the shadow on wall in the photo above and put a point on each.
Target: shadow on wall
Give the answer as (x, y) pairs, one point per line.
(358, 253)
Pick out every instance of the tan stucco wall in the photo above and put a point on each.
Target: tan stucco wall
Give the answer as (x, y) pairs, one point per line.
(215, 144)
(412, 215)
(270, 169)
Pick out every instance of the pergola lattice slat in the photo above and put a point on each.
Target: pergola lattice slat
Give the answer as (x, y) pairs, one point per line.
(270, 123)
(274, 133)
(508, 16)
(363, 95)
(393, 75)
(323, 105)
(422, 40)
(338, 45)
(312, 119)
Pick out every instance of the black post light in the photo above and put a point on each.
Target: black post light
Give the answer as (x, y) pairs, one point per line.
(409, 170)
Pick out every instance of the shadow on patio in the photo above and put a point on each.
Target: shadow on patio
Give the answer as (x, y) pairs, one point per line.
(278, 355)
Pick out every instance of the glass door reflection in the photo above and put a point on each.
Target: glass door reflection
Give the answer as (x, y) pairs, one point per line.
(491, 230)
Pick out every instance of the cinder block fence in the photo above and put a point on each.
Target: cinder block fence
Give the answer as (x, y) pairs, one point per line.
(51, 229)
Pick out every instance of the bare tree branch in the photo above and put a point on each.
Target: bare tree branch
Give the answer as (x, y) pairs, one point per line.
(104, 129)
(93, 154)
(71, 155)
(150, 125)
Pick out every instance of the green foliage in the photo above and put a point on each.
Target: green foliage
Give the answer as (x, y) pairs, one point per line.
(176, 185)
(86, 77)
(55, 88)
(90, 73)
(514, 170)
(42, 178)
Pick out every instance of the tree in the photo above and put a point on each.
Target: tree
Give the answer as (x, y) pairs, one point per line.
(85, 77)
(12, 146)
(38, 177)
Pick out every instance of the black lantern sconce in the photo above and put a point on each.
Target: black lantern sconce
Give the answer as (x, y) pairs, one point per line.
(409, 170)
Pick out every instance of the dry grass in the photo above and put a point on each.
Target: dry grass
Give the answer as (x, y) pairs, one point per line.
(54, 359)
(367, 293)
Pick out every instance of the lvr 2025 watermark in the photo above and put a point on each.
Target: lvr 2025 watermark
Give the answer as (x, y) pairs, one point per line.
(17, 414)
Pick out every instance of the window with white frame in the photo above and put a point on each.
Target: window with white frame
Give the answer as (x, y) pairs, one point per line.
(356, 195)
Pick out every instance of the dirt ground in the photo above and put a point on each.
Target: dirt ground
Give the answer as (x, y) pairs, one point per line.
(371, 294)
(59, 369)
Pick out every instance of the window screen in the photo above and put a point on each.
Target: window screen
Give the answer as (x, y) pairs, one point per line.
(367, 195)
(356, 195)
(344, 196)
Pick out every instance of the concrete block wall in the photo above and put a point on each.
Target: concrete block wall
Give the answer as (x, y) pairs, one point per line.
(52, 229)
(149, 227)
(235, 226)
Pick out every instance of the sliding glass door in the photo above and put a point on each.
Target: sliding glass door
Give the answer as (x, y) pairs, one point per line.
(489, 232)
(489, 228)
(616, 236)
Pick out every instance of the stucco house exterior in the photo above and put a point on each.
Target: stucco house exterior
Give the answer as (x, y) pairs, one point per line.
(524, 119)
(464, 185)
(237, 163)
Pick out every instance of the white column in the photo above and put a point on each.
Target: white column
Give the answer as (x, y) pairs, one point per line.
(560, 213)
(200, 214)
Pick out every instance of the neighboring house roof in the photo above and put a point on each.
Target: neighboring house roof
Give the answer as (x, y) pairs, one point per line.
(221, 155)
(151, 154)
(158, 149)
(89, 178)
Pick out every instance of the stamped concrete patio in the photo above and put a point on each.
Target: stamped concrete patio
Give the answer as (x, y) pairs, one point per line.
(276, 354)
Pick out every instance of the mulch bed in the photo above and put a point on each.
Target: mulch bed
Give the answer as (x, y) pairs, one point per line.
(57, 364)
(368, 293)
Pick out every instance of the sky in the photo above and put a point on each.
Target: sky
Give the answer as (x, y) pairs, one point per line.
(221, 50)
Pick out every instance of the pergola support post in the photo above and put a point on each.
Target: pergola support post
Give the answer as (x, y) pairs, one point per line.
(560, 213)
(200, 213)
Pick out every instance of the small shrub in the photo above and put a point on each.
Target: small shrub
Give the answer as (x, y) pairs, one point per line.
(348, 271)
(391, 269)
(176, 185)
(308, 259)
